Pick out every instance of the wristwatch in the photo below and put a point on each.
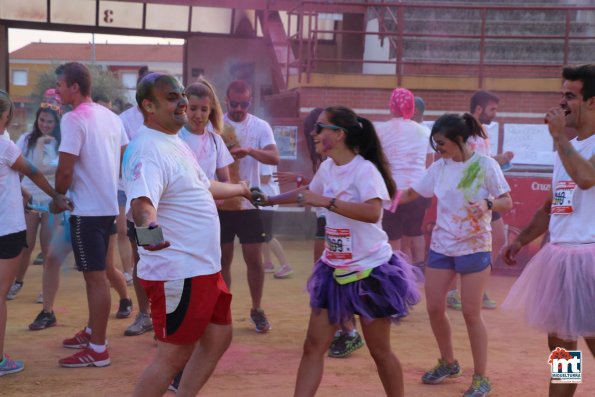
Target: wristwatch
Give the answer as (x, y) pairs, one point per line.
(299, 180)
(490, 204)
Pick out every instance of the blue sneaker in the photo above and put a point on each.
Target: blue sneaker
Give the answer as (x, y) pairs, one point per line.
(10, 366)
(442, 371)
(480, 387)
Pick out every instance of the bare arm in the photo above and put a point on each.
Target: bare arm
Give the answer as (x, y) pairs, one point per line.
(268, 155)
(222, 174)
(145, 215)
(221, 190)
(65, 171)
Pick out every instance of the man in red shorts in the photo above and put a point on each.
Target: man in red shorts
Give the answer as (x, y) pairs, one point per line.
(181, 270)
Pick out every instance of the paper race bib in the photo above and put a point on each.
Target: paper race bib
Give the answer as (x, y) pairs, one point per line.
(338, 243)
(562, 202)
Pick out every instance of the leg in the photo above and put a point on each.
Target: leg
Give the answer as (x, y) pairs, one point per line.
(33, 221)
(99, 301)
(277, 249)
(377, 334)
(498, 238)
(226, 259)
(57, 251)
(169, 360)
(472, 287)
(418, 249)
(123, 245)
(114, 275)
(395, 244)
(591, 344)
(563, 389)
(8, 271)
(253, 258)
(266, 257)
(139, 291)
(437, 285)
(207, 353)
(320, 333)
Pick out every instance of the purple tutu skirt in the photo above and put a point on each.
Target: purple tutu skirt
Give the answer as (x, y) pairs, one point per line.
(556, 291)
(389, 291)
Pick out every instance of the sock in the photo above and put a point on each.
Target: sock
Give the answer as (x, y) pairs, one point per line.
(97, 348)
(338, 333)
(18, 282)
(352, 333)
(88, 330)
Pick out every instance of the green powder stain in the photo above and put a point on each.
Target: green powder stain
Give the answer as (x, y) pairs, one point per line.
(473, 176)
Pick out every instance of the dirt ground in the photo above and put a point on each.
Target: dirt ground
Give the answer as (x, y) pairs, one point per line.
(266, 365)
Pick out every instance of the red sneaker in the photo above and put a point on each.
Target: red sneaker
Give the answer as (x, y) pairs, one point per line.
(86, 358)
(79, 341)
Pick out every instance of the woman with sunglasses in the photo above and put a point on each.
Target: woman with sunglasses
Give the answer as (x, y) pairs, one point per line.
(40, 147)
(358, 272)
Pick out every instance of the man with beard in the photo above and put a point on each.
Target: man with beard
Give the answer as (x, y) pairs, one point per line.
(180, 270)
(256, 145)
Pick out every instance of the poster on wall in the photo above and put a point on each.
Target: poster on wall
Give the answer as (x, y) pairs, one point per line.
(286, 138)
(531, 143)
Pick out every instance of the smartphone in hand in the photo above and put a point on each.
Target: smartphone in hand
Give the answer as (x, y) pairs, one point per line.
(148, 235)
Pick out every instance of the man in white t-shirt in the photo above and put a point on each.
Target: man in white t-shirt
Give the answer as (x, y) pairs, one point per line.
(257, 145)
(180, 271)
(93, 138)
(561, 274)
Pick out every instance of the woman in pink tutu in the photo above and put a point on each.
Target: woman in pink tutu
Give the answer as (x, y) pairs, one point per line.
(357, 273)
(556, 291)
(468, 186)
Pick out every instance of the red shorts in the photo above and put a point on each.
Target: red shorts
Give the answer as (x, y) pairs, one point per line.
(182, 309)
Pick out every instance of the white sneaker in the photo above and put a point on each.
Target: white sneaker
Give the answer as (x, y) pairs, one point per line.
(39, 298)
(128, 278)
(13, 291)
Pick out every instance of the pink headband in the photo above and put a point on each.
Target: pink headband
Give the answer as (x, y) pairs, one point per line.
(402, 103)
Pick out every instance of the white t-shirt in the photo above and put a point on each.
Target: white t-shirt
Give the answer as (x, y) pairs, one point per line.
(406, 145)
(12, 213)
(5, 135)
(350, 244)
(271, 188)
(94, 134)
(162, 168)
(50, 163)
(573, 208)
(479, 144)
(456, 184)
(208, 149)
(132, 119)
(256, 133)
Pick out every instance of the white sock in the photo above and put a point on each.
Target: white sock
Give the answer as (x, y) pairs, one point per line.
(97, 348)
(353, 332)
(88, 330)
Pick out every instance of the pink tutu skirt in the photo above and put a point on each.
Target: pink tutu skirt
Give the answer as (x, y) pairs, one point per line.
(556, 291)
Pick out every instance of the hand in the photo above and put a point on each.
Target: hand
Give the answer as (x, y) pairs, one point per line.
(478, 208)
(306, 197)
(44, 139)
(240, 152)
(508, 156)
(510, 251)
(61, 203)
(245, 190)
(158, 246)
(555, 119)
(285, 177)
(27, 197)
(258, 198)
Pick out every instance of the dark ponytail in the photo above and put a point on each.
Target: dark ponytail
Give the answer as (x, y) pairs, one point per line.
(361, 137)
(453, 126)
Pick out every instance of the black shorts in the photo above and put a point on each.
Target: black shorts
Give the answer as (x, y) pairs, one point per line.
(247, 225)
(267, 223)
(406, 220)
(320, 227)
(12, 244)
(90, 239)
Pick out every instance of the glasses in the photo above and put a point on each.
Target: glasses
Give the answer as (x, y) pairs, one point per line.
(318, 127)
(243, 105)
(45, 105)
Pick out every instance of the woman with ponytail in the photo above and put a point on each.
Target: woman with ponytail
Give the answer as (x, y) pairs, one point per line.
(357, 273)
(468, 186)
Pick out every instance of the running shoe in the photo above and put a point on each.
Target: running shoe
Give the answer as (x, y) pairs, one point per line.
(128, 278)
(175, 383)
(42, 321)
(39, 298)
(14, 290)
(442, 371)
(86, 358)
(285, 272)
(38, 259)
(344, 344)
(269, 268)
(480, 387)
(78, 341)
(125, 309)
(260, 321)
(142, 323)
(10, 366)
(488, 303)
(453, 299)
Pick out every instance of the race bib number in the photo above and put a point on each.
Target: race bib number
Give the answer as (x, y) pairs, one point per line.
(562, 202)
(338, 243)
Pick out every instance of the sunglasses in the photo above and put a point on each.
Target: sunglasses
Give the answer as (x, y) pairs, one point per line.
(45, 105)
(318, 127)
(243, 105)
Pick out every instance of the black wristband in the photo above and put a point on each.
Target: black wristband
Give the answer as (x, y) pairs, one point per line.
(331, 207)
(490, 204)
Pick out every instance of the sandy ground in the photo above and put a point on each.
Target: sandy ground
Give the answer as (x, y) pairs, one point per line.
(266, 365)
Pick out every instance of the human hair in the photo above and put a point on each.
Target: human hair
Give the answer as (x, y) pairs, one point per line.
(204, 89)
(453, 126)
(145, 88)
(584, 74)
(142, 72)
(309, 123)
(361, 137)
(36, 132)
(6, 104)
(101, 98)
(420, 104)
(238, 86)
(481, 98)
(75, 72)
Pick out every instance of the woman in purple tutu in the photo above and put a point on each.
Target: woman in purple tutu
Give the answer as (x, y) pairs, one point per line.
(357, 273)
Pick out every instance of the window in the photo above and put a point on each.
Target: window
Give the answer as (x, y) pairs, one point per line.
(129, 80)
(19, 77)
